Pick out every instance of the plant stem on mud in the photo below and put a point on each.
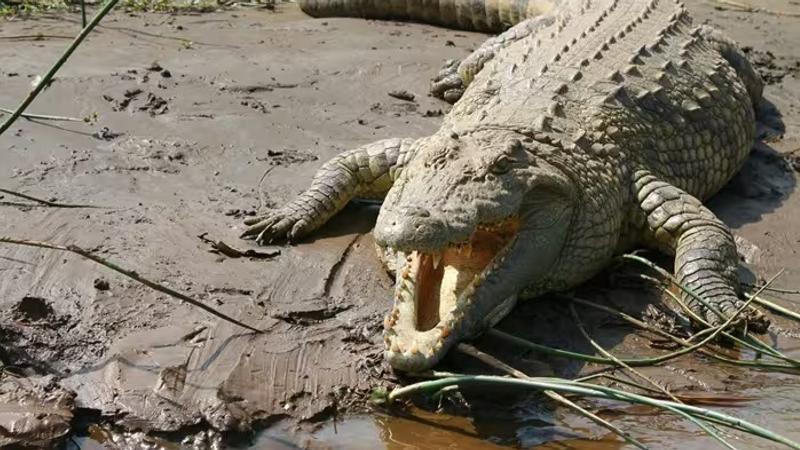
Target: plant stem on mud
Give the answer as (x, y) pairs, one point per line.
(776, 308)
(708, 352)
(711, 432)
(609, 355)
(772, 289)
(555, 396)
(590, 390)
(639, 362)
(45, 202)
(750, 342)
(42, 116)
(51, 73)
(130, 274)
(83, 13)
(713, 400)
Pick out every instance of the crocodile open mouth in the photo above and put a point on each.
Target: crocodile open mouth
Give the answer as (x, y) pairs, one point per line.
(443, 277)
(435, 290)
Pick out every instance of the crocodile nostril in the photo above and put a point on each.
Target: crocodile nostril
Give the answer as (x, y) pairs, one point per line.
(417, 211)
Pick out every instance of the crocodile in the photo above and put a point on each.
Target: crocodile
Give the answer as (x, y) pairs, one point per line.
(586, 128)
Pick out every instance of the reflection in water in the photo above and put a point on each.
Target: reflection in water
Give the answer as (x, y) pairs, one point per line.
(423, 430)
(776, 406)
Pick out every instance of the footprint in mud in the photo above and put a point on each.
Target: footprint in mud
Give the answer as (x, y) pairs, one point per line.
(137, 154)
(133, 100)
(287, 157)
(32, 309)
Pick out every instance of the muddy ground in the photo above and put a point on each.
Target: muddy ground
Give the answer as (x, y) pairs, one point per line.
(199, 121)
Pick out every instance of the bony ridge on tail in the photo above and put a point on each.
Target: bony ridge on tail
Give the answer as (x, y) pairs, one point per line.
(587, 127)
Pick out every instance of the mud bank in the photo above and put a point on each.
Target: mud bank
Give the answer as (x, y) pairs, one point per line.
(198, 122)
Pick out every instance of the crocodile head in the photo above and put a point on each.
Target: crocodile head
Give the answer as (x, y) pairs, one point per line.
(475, 220)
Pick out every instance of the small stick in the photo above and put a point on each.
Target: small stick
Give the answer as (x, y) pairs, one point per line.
(38, 37)
(776, 307)
(46, 202)
(30, 116)
(83, 13)
(752, 9)
(772, 289)
(51, 73)
(130, 274)
(496, 363)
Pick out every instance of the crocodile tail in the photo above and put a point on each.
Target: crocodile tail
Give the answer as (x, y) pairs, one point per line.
(478, 15)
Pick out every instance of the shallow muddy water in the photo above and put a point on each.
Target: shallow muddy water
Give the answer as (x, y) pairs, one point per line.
(204, 119)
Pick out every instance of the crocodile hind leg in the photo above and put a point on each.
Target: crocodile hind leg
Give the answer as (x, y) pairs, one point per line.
(704, 249)
(731, 52)
(766, 113)
(367, 171)
(456, 75)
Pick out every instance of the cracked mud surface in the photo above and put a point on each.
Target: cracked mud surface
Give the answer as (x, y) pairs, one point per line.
(192, 139)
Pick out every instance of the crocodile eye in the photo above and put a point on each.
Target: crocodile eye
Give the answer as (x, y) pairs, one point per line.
(501, 165)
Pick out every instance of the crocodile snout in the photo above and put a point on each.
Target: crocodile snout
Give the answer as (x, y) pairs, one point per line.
(411, 228)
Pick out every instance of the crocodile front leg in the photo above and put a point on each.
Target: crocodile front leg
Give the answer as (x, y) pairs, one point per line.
(456, 75)
(704, 249)
(367, 171)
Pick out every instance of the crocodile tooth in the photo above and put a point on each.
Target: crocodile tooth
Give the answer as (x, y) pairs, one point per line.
(437, 258)
(414, 348)
(394, 347)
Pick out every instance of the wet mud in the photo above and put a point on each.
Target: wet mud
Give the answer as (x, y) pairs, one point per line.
(197, 122)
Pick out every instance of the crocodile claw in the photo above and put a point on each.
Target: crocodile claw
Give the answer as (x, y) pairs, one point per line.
(448, 84)
(282, 224)
(750, 318)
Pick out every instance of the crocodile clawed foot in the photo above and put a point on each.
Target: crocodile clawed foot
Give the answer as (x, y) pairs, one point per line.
(751, 318)
(448, 84)
(275, 226)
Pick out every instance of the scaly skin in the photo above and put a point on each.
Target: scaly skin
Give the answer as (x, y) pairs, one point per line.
(571, 143)
(491, 16)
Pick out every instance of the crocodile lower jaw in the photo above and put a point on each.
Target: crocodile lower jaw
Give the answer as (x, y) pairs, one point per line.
(435, 293)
